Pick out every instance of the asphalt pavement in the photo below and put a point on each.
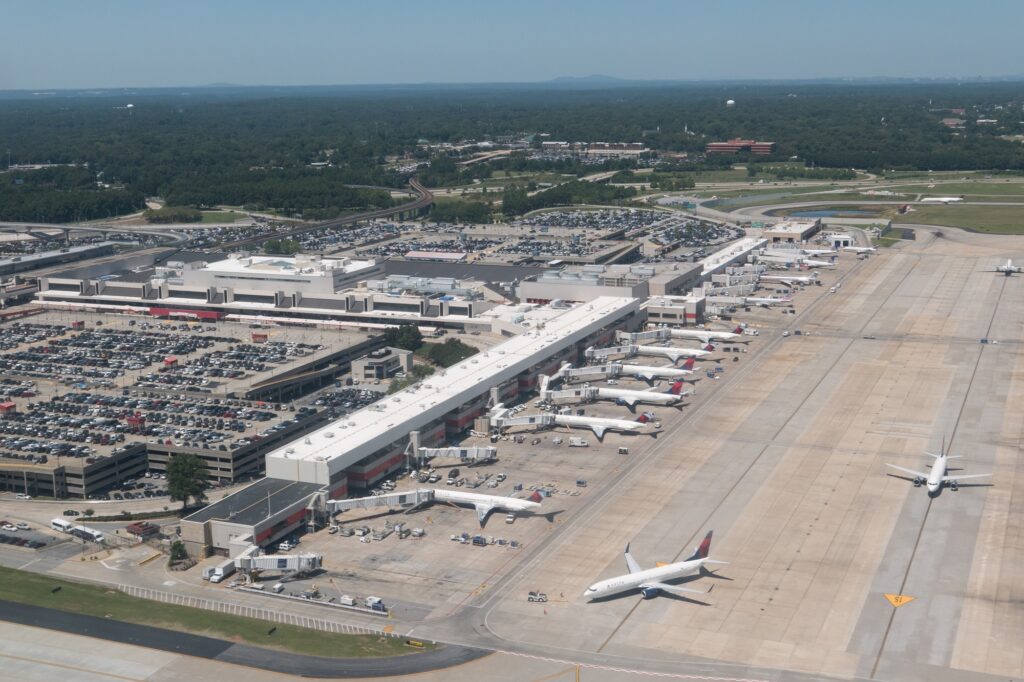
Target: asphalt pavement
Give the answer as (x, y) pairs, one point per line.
(238, 654)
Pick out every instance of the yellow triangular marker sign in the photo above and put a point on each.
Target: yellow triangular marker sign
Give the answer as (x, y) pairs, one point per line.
(898, 600)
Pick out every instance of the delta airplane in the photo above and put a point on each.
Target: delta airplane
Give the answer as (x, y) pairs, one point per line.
(1008, 269)
(651, 373)
(671, 352)
(942, 200)
(485, 504)
(936, 476)
(818, 252)
(652, 580)
(705, 335)
(790, 280)
(811, 263)
(601, 425)
(766, 302)
(673, 396)
(860, 249)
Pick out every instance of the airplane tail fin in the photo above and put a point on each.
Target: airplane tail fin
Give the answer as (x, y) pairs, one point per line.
(536, 497)
(688, 365)
(676, 388)
(737, 330)
(709, 347)
(702, 551)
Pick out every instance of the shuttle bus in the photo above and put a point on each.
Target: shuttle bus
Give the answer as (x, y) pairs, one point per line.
(61, 525)
(87, 533)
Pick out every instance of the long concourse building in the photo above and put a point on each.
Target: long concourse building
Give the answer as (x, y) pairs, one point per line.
(359, 449)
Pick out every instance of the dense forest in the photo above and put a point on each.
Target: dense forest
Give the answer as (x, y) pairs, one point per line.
(254, 146)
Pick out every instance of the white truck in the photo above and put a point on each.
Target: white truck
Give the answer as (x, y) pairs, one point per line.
(578, 442)
(222, 570)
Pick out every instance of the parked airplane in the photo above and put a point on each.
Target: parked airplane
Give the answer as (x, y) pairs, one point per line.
(860, 249)
(765, 302)
(936, 476)
(790, 280)
(630, 398)
(811, 263)
(485, 504)
(652, 580)
(600, 425)
(672, 352)
(651, 373)
(818, 252)
(706, 335)
(941, 200)
(1008, 269)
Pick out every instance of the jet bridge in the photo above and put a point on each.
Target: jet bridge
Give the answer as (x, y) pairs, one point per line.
(473, 455)
(660, 334)
(288, 564)
(402, 500)
(605, 353)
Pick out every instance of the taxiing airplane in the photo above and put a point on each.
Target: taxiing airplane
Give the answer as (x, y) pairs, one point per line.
(1008, 268)
(860, 249)
(652, 580)
(485, 504)
(941, 200)
(936, 476)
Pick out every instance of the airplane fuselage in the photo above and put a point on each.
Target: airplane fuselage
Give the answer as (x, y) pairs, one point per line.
(646, 372)
(629, 397)
(633, 581)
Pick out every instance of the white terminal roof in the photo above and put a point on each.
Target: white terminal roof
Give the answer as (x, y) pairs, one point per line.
(345, 441)
(284, 265)
(792, 226)
(730, 253)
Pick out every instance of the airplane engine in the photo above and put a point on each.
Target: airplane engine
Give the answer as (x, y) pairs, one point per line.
(954, 486)
(918, 482)
(649, 592)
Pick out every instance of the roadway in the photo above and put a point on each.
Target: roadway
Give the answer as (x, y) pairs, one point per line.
(425, 199)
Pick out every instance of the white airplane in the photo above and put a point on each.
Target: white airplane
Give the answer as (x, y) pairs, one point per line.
(818, 252)
(630, 398)
(790, 280)
(941, 200)
(652, 580)
(765, 302)
(811, 263)
(652, 373)
(485, 504)
(936, 476)
(860, 249)
(672, 352)
(1008, 269)
(600, 425)
(706, 335)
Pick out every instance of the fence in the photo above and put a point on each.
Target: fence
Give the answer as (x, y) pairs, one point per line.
(271, 615)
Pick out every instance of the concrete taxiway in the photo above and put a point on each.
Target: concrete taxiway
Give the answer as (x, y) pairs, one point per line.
(788, 467)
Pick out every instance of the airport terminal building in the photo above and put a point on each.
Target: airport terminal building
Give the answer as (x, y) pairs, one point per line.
(354, 452)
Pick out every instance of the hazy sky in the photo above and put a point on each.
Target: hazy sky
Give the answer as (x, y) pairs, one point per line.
(71, 43)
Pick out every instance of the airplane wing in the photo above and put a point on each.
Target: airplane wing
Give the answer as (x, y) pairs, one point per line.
(960, 478)
(482, 510)
(598, 431)
(631, 563)
(673, 589)
(629, 402)
(908, 471)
